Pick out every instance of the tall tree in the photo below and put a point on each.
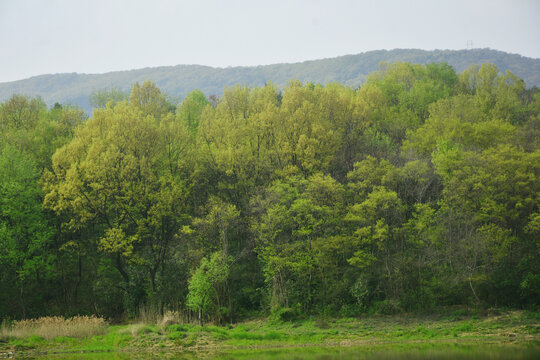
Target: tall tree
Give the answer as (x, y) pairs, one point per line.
(116, 176)
(24, 232)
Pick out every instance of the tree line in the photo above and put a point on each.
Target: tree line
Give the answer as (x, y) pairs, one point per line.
(416, 190)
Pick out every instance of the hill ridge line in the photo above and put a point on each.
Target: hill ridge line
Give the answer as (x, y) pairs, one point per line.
(178, 80)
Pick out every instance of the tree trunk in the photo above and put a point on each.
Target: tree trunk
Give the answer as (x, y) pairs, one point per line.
(23, 307)
(79, 279)
(120, 268)
(230, 302)
(153, 272)
(474, 292)
(200, 318)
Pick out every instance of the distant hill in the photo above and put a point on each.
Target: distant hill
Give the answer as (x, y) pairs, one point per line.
(179, 80)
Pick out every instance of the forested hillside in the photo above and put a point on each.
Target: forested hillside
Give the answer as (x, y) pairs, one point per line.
(178, 81)
(418, 189)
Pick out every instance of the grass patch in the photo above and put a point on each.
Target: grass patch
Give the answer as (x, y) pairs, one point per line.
(176, 327)
(65, 340)
(466, 326)
(260, 333)
(175, 335)
(113, 340)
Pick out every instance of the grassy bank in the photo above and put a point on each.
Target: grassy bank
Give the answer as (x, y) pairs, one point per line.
(507, 327)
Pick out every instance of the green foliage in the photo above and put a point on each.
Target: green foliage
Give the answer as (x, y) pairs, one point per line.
(203, 293)
(417, 189)
(176, 328)
(24, 232)
(175, 335)
(191, 108)
(387, 307)
(284, 314)
(20, 112)
(530, 286)
(149, 99)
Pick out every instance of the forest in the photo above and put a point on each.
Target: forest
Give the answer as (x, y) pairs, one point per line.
(417, 190)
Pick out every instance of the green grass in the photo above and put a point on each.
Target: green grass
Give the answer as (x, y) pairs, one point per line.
(513, 327)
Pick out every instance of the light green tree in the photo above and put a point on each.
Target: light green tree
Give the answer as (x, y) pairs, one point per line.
(119, 176)
(191, 108)
(203, 296)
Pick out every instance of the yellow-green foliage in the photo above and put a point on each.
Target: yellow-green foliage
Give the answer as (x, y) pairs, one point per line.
(418, 189)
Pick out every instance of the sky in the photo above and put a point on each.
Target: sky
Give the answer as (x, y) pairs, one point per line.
(97, 36)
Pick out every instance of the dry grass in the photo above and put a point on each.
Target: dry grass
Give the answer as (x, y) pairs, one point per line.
(172, 317)
(148, 315)
(151, 320)
(152, 315)
(54, 326)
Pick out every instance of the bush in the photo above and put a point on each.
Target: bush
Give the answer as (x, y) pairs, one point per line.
(388, 307)
(350, 310)
(284, 314)
(460, 313)
(530, 288)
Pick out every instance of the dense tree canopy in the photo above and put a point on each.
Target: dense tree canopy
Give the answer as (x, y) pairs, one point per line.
(418, 189)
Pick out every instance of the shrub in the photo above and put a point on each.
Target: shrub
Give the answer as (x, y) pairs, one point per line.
(461, 313)
(388, 307)
(350, 310)
(284, 314)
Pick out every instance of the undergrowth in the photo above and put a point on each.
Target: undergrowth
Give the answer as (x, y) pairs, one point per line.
(268, 333)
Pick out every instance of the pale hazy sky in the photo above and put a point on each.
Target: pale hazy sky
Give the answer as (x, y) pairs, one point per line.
(96, 36)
